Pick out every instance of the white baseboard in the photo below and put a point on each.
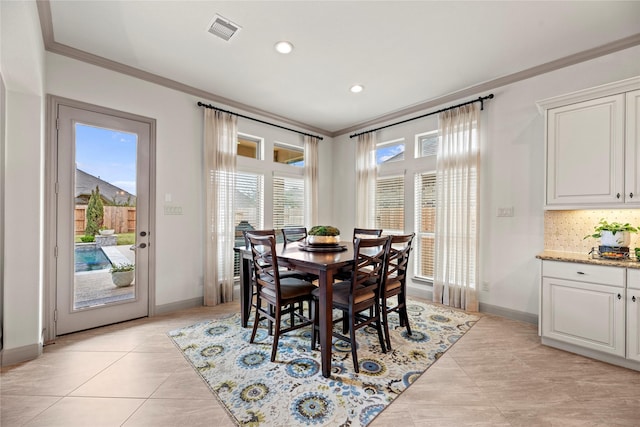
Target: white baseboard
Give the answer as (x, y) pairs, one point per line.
(509, 313)
(11, 356)
(179, 305)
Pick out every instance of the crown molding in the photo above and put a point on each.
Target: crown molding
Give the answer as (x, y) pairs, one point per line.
(46, 24)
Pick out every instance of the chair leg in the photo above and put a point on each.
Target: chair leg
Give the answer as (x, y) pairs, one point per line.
(256, 321)
(402, 312)
(314, 308)
(276, 337)
(378, 323)
(352, 335)
(385, 321)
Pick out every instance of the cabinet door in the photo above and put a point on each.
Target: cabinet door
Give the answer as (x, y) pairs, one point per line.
(632, 148)
(633, 314)
(633, 324)
(585, 153)
(584, 314)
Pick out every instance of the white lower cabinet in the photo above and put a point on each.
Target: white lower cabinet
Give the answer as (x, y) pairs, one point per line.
(633, 314)
(584, 305)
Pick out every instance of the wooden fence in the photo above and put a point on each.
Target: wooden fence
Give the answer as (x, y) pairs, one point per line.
(122, 219)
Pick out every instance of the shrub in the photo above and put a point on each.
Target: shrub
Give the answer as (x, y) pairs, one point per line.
(95, 213)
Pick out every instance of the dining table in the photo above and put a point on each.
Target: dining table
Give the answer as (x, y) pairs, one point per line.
(322, 262)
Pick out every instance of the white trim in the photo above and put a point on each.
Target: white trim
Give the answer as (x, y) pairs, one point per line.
(608, 89)
(11, 356)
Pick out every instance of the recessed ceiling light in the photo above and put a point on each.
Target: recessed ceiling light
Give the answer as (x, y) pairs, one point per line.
(284, 47)
(356, 88)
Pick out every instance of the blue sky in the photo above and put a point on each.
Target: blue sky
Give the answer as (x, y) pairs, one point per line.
(384, 153)
(108, 154)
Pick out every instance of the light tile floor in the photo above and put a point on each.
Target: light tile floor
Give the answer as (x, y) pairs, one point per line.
(498, 374)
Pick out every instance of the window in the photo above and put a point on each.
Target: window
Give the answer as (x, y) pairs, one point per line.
(288, 154)
(390, 204)
(425, 223)
(390, 151)
(288, 202)
(249, 146)
(427, 144)
(249, 201)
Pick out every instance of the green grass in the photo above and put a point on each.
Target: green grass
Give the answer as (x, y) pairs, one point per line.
(121, 238)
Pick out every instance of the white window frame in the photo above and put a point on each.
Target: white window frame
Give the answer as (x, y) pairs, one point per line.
(420, 234)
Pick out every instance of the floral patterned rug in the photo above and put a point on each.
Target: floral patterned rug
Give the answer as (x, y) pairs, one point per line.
(292, 390)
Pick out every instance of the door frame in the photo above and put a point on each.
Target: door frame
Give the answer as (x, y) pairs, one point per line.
(49, 332)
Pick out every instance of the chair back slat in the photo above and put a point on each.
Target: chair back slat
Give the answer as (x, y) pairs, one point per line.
(294, 234)
(368, 269)
(398, 257)
(366, 233)
(265, 262)
(268, 232)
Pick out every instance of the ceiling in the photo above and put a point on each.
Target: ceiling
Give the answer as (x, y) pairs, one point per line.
(408, 55)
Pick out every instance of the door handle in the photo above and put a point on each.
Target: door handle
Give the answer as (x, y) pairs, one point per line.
(139, 246)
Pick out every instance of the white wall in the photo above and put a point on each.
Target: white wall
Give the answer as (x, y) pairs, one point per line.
(179, 239)
(512, 175)
(22, 65)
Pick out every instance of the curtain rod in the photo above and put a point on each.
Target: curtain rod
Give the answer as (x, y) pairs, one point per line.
(201, 104)
(480, 100)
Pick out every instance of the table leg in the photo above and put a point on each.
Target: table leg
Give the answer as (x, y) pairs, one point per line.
(245, 290)
(325, 281)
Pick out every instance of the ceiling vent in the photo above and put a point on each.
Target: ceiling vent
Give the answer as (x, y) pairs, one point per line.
(223, 28)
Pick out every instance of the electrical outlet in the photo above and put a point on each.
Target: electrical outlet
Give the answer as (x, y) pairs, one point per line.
(485, 286)
(505, 212)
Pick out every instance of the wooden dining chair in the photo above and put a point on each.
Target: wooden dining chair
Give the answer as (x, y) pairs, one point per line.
(284, 272)
(363, 233)
(395, 283)
(280, 294)
(297, 234)
(358, 297)
(294, 234)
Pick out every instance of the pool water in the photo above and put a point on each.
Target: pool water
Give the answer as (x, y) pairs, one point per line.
(89, 258)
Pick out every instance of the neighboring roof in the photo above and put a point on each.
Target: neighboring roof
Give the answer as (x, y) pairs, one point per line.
(86, 182)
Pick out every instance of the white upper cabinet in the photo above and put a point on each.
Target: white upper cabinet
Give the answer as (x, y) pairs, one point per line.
(632, 148)
(593, 147)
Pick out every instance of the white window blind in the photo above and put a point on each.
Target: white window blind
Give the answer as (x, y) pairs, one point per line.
(425, 186)
(249, 199)
(428, 144)
(249, 202)
(390, 204)
(288, 202)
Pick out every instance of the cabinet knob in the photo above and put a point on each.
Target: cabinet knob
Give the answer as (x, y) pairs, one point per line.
(633, 298)
(580, 272)
(618, 196)
(631, 195)
(619, 296)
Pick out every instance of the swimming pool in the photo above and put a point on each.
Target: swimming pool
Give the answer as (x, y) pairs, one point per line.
(89, 258)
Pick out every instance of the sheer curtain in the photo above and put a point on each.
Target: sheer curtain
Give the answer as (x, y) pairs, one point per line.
(220, 142)
(456, 236)
(311, 180)
(366, 180)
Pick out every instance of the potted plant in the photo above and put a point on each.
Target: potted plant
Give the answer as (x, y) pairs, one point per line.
(613, 234)
(104, 231)
(122, 274)
(323, 234)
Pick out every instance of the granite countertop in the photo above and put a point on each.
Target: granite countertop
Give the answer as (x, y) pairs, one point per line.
(587, 259)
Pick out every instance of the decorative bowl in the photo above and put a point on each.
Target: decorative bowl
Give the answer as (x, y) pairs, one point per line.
(323, 240)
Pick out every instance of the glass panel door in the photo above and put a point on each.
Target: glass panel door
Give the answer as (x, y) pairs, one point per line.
(102, 221)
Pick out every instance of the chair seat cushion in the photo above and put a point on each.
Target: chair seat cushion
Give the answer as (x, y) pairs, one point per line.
(290, 288)
(390, 286)
(342, 291)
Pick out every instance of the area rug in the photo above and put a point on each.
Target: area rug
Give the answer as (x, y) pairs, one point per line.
(292, 390)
